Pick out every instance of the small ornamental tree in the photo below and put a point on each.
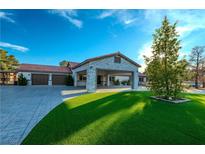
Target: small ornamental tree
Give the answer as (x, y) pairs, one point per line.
(69, 81)
(164, 69)
(22, 81)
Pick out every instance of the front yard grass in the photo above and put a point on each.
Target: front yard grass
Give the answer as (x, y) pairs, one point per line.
(122, 118)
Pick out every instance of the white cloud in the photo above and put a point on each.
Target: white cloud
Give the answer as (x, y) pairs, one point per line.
(76, 22)
(129, 21)
(182, 54)
(124, 17)
(145, 50)
(5, 16)
(106, 14)
(184, 29)
(188, 20)
(70, 15)
(13, 46)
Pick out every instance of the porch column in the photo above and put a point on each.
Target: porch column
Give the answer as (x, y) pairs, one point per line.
(135, 80)
(29, 78)
(50, 79)
(108, 80)
(91, 79)
(75, 77)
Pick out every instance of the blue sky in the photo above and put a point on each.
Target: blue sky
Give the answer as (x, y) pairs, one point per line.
(49, 36)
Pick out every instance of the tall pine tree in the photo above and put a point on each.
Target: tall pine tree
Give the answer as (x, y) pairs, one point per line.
(164, 69)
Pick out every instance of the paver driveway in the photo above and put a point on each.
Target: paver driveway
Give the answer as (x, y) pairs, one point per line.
(23, 107)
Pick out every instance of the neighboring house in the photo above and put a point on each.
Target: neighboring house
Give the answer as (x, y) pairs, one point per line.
(112, 70)
(8, 77)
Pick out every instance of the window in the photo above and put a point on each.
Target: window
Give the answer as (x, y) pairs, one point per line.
(120, 80)
(140, 79)
(117, 59)
(82, 77)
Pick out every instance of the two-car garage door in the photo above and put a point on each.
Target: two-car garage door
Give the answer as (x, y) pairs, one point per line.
(39, 79)
(42, 79)
(59, 79)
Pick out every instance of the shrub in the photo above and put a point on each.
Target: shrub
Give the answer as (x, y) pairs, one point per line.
(117, 82)
(124, 83)
(22, 80)
(70, 81)
(128, 82)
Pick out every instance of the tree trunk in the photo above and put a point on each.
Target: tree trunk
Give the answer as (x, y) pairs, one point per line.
(196, 82)
(197, 72)
(166, 81)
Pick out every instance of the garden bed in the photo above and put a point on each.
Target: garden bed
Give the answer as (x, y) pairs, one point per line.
(175, 101)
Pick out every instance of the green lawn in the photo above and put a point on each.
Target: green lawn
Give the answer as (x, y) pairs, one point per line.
(122, 118)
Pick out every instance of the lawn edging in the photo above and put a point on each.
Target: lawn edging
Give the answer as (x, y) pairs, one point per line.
(178, 101)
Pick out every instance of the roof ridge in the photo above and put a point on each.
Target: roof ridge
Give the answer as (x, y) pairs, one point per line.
(43, 68)
(107, 55)
(41, 65)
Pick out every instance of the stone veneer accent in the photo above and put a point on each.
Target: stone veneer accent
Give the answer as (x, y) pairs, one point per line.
(135, 80)
(91, 79)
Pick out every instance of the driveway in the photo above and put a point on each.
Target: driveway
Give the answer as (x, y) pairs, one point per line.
(196, 91)
(23, 107)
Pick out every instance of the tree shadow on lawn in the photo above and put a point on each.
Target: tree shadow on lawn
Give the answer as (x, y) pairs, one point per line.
(122, 118)
(160, 124)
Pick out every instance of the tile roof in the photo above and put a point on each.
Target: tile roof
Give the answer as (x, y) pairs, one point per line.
(43, 68)
(105, 56)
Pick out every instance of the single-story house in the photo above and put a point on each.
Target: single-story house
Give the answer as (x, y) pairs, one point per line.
(104, 71)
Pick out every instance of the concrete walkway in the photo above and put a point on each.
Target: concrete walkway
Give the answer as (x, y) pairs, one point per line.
(119, 89)
(195, 91)
(23, 107)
